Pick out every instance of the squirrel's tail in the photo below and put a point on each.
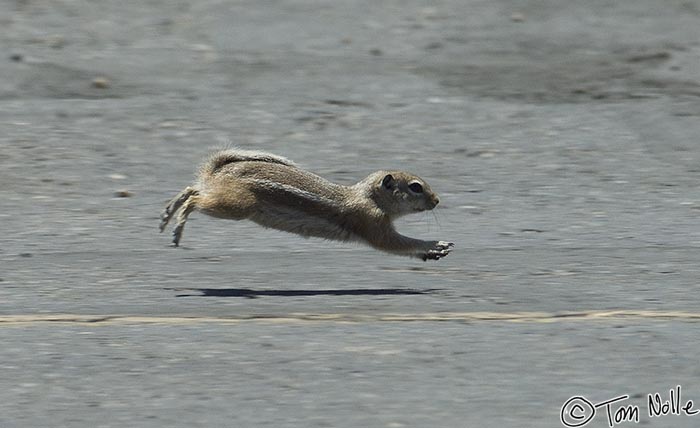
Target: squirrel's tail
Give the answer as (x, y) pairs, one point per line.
(224, 157)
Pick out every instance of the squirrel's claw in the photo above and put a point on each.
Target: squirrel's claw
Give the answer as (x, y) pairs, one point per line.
(164, 219)
(441, 249)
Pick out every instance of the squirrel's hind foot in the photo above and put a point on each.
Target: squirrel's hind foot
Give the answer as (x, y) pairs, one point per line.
(181, 205)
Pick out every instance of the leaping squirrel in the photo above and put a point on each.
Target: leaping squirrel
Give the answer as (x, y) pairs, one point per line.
(273, 192)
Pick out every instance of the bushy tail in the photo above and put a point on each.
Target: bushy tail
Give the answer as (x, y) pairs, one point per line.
(224, 157)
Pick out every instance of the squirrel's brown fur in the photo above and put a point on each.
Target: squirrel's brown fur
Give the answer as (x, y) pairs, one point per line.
(273, 192)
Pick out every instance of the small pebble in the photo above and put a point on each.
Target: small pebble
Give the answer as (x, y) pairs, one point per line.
(100, 83)
(56, 42)
(123, 194)
(517, 17)
(16, 57)
(376, 52)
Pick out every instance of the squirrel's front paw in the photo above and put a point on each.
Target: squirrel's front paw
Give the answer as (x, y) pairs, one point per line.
(440, 249)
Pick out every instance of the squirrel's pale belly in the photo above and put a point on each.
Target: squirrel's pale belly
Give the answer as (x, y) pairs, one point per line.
(296, 221)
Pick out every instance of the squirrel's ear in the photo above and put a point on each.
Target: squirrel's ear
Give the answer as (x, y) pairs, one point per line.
(388, 181)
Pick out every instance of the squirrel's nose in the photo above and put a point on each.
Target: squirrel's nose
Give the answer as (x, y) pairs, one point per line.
(435, 201)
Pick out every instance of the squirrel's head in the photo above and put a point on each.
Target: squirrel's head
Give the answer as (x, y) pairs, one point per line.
(399, 193)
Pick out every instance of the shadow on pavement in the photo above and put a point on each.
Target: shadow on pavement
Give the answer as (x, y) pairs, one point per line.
(253, 294)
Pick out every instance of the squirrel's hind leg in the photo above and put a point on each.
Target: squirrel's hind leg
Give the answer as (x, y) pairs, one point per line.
(181, 206)
(189, 204)
(174, 205)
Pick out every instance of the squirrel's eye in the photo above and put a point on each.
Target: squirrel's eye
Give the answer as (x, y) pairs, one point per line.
(416, 188)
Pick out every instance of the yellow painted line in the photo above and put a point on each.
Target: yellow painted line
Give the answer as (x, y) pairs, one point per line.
(522, 317)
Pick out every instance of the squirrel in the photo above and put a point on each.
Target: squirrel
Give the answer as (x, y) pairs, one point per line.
(275, 193)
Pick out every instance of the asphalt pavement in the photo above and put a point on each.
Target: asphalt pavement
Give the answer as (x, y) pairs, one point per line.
(562, 138)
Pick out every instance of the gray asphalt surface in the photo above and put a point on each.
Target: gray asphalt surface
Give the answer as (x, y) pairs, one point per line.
(562, 139)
